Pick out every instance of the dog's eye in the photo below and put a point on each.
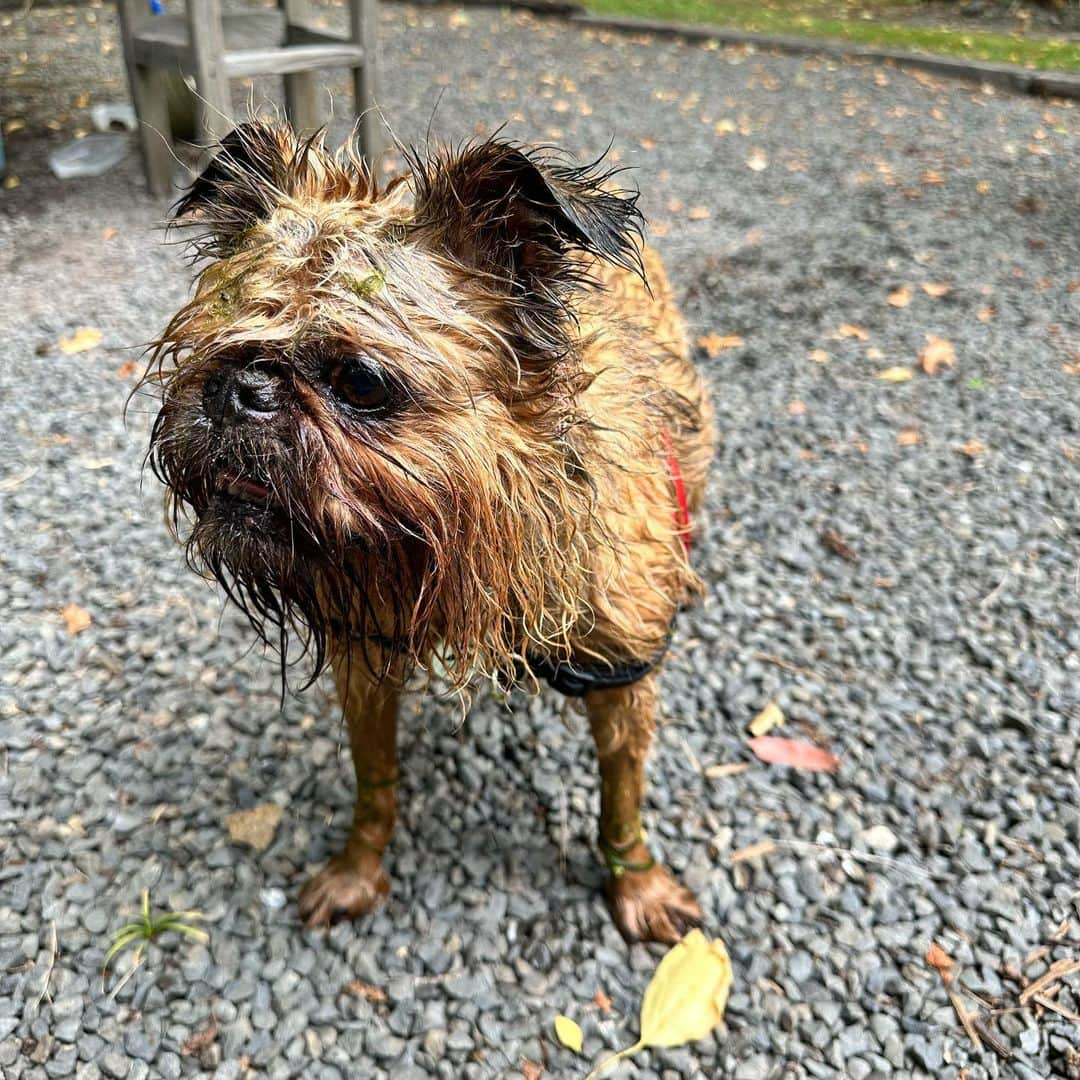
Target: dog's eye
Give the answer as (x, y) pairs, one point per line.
(361, 384)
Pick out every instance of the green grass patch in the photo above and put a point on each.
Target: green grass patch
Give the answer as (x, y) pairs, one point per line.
(809, 19)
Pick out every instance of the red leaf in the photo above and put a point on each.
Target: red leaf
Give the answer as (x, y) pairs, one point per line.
(793, 752)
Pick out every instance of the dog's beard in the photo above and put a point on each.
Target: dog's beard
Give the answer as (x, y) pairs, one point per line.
(248, 505)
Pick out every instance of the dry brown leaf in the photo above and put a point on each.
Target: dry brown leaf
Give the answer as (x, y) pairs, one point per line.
(936, 289)
(794, 752)
(932, 176)
(797, 408)
(849, 330)
(714, 344)
(86, 337)
(940, 961)
(900, 297)
(819, 356)
(895, 374)
(909, 437)
(647, 142)
(983, 186)
(753, 851)
(727, 768)
(366, 991)
(838, 545)
(973, 448)
(698, 213)
(198, 1042)
(531, 1070)
(602, 1002)
(985, 314)
(109, 232)
(938, 353)
(255, 827)
(127, 369)
(76, 619)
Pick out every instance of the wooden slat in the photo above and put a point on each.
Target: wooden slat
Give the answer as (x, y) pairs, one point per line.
(290, 58)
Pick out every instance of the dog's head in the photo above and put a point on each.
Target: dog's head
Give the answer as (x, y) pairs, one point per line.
(369, 407)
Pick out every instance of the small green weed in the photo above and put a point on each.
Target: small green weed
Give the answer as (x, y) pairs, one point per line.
(148, 927)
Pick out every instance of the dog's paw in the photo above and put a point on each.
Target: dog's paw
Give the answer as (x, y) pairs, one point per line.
(650, 905)
(344, 888)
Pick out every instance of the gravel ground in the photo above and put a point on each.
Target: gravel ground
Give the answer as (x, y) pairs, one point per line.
(939, 659)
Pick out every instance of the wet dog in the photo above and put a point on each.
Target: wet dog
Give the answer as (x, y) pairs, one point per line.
(450, 417)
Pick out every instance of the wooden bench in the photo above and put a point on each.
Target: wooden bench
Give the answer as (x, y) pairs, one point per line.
(214, 48)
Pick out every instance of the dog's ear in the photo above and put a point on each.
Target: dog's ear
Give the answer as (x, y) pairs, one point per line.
(242, 183)
(516, 214)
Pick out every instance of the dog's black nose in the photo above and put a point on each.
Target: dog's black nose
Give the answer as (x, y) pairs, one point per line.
(242, 393)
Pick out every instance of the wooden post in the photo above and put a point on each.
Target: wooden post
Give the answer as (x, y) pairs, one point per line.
(363, 27)
(151, 106)
(207, 37)
(302, 91)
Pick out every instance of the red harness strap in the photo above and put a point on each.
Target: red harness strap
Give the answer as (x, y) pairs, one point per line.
(682, 510)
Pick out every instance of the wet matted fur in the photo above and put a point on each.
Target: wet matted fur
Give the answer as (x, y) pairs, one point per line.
(449, 418)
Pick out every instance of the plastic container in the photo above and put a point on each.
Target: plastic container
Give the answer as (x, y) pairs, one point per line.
(90, 156)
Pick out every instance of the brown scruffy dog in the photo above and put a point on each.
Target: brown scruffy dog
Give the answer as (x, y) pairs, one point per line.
(442, 422)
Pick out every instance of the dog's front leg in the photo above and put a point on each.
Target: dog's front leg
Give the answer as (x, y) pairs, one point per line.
(647, 903)
(354, 881)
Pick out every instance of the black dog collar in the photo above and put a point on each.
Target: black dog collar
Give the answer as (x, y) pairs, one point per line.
(576, 680)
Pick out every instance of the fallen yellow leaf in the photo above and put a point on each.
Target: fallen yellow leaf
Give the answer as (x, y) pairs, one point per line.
(569, 1034)
(727, 768)
(714, 344)
(753, 851)
(938, 353)
(846, 330)
(983, 186)
(895, 374)
(686, 998)
(86, 337)
(936, 288)
(766, 720)
(900, 297)
(758, 161)
(76, 619)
